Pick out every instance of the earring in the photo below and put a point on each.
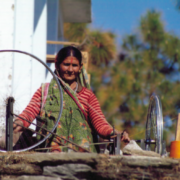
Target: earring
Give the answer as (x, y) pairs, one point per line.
(79, 71)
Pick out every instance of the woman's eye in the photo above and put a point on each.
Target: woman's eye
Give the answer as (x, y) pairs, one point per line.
(75, 65)
(66, 64)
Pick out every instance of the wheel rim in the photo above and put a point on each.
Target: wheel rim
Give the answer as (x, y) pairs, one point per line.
(154, 123)
(61, 102)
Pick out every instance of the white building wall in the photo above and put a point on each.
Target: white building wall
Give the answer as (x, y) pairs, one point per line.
(39, 45)
(23, 27)
(29, 37)
(6, 42)
(23, 41)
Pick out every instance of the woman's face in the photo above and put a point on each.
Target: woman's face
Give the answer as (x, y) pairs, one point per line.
(69, 69)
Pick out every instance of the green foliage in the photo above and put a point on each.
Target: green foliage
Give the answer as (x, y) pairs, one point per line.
(100, 45)
(102, 48)
(75, 32)
(148, 64)
(177, 4)
(152, 29)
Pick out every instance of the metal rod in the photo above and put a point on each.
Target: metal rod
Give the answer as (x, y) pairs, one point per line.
(9, 124)
(117, 150)
(53, 133)
(109, 142)
(114, 141)
(38, 149)
(60, 143)
(148, 141)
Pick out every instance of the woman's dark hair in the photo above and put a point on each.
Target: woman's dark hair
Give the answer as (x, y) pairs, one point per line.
(68, 51)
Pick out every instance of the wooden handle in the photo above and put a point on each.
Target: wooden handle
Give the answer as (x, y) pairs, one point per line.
(63, 43)
(178, 128)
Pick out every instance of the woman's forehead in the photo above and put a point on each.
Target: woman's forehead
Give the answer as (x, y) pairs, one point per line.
(71, 59)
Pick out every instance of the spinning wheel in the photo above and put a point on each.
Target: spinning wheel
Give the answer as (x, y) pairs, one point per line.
(11, 99)
(154, 126)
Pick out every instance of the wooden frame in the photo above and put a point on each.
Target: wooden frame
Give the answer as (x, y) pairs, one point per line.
(63, 43)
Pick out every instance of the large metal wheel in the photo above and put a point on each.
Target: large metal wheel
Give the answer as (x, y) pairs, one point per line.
(154, 126)
(60, 92)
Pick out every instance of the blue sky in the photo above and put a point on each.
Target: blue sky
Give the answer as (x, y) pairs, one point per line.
(123, 16)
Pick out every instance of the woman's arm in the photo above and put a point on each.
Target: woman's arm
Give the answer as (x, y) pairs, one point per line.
(30, 112)
(97, 118)
(100, 123)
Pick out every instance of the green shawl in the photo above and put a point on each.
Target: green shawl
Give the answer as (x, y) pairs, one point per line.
(73, 123)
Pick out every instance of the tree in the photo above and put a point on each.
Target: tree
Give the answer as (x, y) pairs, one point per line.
(75, 32)
(149, 63)
(102, 48)
(100, 45)
(177, 4)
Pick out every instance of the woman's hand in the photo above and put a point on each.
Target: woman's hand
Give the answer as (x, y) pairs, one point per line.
(16, 127)
(124, 136)
(17, 130)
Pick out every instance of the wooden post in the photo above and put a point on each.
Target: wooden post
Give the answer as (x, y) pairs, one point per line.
(85, 60)
(117, 149)
(9, 124)
(178, 128)
(175, 145)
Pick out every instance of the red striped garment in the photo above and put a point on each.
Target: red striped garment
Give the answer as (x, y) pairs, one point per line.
(89, 102)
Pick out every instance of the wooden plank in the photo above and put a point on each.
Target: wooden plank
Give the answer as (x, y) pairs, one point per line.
(50, 58)
(85, 59)
(178, 128)
(63, 43)
(89, 77)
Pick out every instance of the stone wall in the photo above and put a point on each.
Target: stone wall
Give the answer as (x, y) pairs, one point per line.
(85, 166)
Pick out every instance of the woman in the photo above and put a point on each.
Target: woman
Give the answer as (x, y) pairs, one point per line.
(81, 117)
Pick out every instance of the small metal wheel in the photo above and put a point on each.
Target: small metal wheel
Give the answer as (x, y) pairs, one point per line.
(35, 60)
(154, 126)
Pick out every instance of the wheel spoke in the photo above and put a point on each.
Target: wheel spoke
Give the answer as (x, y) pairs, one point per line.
(154, 124)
